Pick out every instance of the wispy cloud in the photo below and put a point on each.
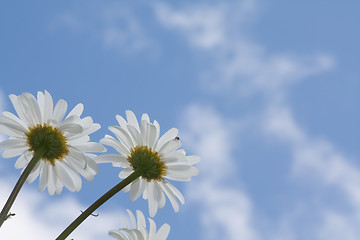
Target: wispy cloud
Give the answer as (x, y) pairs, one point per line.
(317, 161)
(236, 62)
(201, 24)
(207, 26)
(226, 211)
(115, 25)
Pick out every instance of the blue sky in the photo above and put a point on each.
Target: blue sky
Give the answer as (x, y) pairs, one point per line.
(266, 92)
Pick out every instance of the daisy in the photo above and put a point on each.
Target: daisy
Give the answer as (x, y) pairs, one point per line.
(66, 141)
(138, 230)
(156, 158)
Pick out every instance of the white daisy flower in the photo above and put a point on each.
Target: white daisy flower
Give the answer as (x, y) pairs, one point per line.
(67, 140)
(157, 158)
(138, 230)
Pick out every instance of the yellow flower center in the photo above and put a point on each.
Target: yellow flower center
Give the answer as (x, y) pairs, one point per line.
(52, 138)
(148, 162)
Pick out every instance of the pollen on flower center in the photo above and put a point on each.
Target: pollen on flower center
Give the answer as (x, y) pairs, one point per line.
(148, 161)
(52, 138)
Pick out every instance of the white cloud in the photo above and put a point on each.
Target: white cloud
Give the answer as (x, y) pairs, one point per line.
(122, 29)
(314, 156)
(115, 25)
(319, 161)
(226, 211)
(337, 226)
(41, 217)
(207, 132)
(206, 26)
(237, 63)
(202, 24)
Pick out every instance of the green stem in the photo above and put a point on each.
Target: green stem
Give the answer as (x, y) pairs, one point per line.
(97, 204)
(37, 156)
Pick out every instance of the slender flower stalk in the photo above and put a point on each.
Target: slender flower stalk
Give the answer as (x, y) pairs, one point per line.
(98, 203)
(37, 156)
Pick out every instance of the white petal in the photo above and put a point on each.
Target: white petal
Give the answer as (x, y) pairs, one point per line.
(77, 140)
(169, 135)
(86, 122)
(34, 172)
(77, 110)
(74, 175)
(123, 136)
(148, 133)
(131, 119)
(64, 176)
(140, 219)
(178, 178)
(59, 111)
(12, 143)
(112, 158)
(144, 132)
(28, 113)
(132, 218)
(44, 176)
(152, 229)
(151, 199)
(51, 180)
(137, 188)
(118, 146)
(122, 122)
(145, 117)
(90, 147)
(169, 146)
(18, 109)
(163, 232)
(13, 152)
(181, 171)
(48, 108)
(174, 157)
(193, 159)
(171, 196)
(152, 136)
(35, 107)
(85, 171)
(83, 158)
(73, 128)
(15, 119)
(41, 103)
(21, 162)
(156, 124)
(160, 198)
(177, 193)
(125, 172)
(144, 232)
(72, 119)
(15, 126)
(136, 135)
(30, 108)
(93, 128)
(59, 186)
(10, 132)
(126, 189)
